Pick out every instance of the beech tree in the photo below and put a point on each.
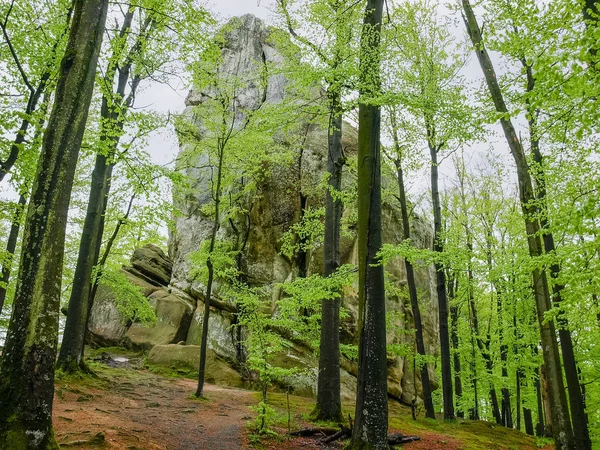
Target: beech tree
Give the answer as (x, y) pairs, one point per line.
(26, 394)
(560, 412)
(399, 158)
(371, 415)
(425, 67)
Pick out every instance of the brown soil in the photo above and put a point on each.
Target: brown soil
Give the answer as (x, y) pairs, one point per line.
(131, 409)
(152, 413)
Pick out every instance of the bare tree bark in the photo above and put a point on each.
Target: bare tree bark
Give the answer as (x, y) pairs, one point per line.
(371, 415)
(438, 247)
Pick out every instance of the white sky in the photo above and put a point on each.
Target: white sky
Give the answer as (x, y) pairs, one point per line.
(163, 144)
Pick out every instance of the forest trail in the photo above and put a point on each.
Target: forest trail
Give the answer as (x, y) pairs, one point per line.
(151, 412)
(127, 407)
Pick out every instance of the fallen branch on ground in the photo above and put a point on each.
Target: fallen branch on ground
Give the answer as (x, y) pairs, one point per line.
(399, 438)
(312, 431)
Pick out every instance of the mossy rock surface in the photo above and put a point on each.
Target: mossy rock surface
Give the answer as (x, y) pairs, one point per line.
(174, 315)
(187, 358)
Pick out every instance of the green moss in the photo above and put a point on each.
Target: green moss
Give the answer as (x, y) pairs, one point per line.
(14, 437)
(171, 372)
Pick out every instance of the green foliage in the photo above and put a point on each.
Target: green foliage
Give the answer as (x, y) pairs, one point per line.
(305, 235)
(131, 303)
(299, 309)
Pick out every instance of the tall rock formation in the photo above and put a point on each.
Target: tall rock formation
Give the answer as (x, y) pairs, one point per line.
(285, 193)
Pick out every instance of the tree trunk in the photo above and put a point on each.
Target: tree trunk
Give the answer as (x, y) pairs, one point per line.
(11, 246)
(484, 347)
(507, 419)
(112, 120)
(458, 390)
(410, 277)
(474, 413)
(540, 426)
(329, 406)
(528, 421)
(27, 374)
(561, 421)
(211, 272)
(70, 356)
(438, 247)
(576, 402)
(371, 416)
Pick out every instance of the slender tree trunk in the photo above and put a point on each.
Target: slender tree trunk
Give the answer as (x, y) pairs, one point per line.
(11, 246)
(27, 365)
(528, 421)
(474, 414)
(458, 390)
(70, 358)
(438, 247)
(507, 419)
(519, 372)
(371, 416)
(112, 119)
(410, 277)
(211, 272)
(329, 405)
(578, 415)
(561, 421)
(13, 236)
(484, 347)
(540, 426)
(414, 302)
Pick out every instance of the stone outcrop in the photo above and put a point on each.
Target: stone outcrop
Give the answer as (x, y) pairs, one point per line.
(186, 359)
(285, 192)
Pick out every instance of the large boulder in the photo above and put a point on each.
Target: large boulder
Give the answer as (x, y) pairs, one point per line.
(107, 327)
(151, 263)
(173, 313)
(186, 358)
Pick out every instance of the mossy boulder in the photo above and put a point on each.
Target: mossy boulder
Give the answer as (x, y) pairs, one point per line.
(174, 314)
(186, 358)
(107, 327)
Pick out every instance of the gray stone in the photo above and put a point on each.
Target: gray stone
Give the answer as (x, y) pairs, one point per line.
(173, 314)
(221, 335)
(152, 262)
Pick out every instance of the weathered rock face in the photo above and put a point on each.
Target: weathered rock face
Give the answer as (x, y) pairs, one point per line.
(151, 271)
(284, 194)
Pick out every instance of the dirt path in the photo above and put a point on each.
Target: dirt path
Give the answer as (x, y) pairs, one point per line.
(129, 408)
(151, 412)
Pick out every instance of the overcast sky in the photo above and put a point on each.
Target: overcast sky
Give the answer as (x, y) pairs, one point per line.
(163, 144)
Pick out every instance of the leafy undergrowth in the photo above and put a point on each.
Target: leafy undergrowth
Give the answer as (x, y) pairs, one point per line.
(123, 405)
